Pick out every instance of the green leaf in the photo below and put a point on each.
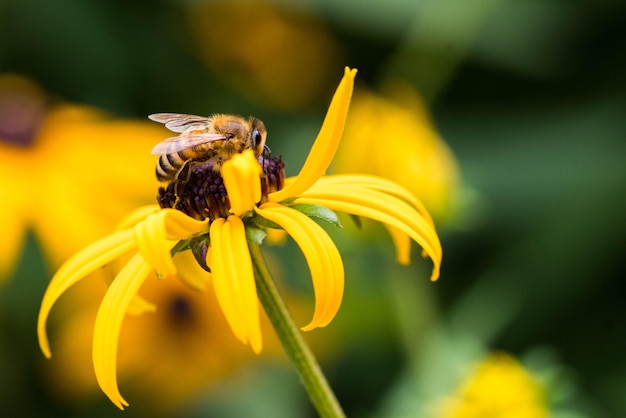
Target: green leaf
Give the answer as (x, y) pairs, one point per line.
(317, 211)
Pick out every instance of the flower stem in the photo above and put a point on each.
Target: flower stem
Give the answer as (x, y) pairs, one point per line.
(296, 348)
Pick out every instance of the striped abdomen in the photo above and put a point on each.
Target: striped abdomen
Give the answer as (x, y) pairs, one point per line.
(169, 165)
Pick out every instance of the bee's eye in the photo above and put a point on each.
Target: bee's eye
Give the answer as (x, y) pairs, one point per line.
(256, 137)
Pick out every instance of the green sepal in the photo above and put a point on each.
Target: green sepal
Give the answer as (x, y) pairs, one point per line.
(319, 212)
(180, 246)
(255, 234)
(260, 222)
(199, 248)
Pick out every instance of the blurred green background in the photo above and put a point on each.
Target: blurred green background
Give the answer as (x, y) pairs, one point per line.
(529, 95)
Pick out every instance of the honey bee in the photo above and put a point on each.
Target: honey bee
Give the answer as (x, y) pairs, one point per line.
(213, 138)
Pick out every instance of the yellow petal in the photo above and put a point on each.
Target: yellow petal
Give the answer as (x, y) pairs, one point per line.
(325, 145)
(149, 236)
(321, 255)
(139, 306)
(233, 280)
(75, 268)
(178, 225)
(242, 179)
(384, 208)
(109, 322)
(158, 233)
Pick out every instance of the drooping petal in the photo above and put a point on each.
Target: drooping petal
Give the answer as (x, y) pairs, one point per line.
(325, 145)
(384, 208)
(158, 233)
(380, 202)
(233, 280)
(374, 183)
(402, 242)
(109, 322)
(242, 179)
(75, 268)
(139, 305)
(321, 255)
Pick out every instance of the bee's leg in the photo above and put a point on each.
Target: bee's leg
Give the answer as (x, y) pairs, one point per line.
(181, 179)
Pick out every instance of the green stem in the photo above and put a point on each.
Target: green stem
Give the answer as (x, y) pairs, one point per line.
(296, 348)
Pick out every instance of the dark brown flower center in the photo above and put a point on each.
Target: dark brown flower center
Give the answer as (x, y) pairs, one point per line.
(203, 194)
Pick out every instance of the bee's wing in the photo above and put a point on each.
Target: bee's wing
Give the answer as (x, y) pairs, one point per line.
(183, 142)
(178, 122)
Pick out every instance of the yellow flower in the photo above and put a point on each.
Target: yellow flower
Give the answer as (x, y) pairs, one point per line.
(499, 387)
(394, 137)
(216, 225)
(55, 163)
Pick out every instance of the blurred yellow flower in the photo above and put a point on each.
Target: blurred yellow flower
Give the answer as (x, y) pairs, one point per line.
(263, 49)
(216, 225)
(55, 164)
(396, 139)
(498, 387)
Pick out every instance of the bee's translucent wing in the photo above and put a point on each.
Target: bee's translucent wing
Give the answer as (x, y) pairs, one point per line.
(183, 142)
(178, 122)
